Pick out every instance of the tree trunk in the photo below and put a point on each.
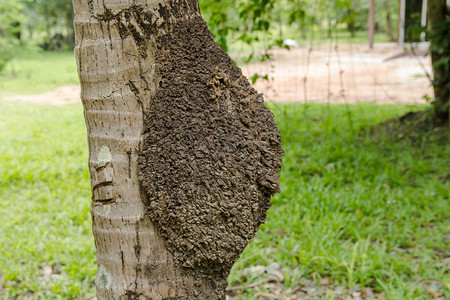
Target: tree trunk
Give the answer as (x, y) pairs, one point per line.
(437, 13)
(184, 156)
(17, 30)
(388, 21)
(47, 23)
(70, 34)
(351, 28)
(329, 27)
(371, 22)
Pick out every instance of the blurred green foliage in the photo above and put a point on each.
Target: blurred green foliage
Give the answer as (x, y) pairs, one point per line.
(256, 24)
(11, 17)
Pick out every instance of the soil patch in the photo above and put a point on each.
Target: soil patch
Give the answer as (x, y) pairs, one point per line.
(60, 96)
(345, 73)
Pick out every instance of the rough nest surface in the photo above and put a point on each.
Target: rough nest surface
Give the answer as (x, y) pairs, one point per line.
(211, 152)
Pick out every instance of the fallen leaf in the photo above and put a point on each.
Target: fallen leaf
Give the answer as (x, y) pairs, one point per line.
(434, 293)
(325, 281)
(444, 263)
(445, 176)
(10, 283)
(251, 285)
(268, 296)
(368, 293)
(46, 270)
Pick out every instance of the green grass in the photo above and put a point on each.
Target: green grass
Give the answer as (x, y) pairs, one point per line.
(44, 201)
(362, 211)
(38, 72)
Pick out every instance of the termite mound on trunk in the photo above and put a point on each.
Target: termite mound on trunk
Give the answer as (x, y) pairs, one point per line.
(211, 152)
(183, 154)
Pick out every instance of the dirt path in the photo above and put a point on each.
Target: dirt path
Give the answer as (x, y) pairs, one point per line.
(60, 96)
(348, 74)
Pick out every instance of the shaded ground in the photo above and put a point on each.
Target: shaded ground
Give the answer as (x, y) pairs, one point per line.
(383, 75)
(416, 126)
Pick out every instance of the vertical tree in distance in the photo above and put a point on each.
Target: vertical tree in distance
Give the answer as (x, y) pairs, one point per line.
(371, 23)
(183, 154)
(439, 26)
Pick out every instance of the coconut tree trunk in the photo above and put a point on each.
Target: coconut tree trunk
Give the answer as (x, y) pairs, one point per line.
(184, 156)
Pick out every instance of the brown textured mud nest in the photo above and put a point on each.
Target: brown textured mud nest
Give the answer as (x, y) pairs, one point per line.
(211, 152)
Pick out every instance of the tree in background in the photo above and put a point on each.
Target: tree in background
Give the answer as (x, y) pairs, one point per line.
(221, 17)
(57, 18)
(439, 34)
(297, 15)
(11, 17)
(22, 23)
(389, 10)
(347, 11)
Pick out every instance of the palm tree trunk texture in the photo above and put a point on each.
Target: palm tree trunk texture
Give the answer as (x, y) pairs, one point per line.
(183, 154)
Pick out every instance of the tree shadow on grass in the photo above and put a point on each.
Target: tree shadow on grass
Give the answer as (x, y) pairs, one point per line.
(417, 127)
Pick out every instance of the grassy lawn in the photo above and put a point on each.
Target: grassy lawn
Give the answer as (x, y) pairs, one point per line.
(38, 72)
(355, 211)
(44, 202)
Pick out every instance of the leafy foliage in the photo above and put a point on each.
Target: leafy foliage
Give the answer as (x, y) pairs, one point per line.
(248, 17)
(11, 16)
(220, 16)
(251, 23)
(56, 19)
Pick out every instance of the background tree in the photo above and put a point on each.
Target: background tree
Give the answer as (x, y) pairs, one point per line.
(298, 15)
(58, 20)
(221, 17)
(389, 8)
(439, 26)
(347, 11)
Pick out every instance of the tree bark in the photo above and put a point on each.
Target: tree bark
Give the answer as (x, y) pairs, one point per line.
(437, 13)
(128, 246)
(184, 156)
